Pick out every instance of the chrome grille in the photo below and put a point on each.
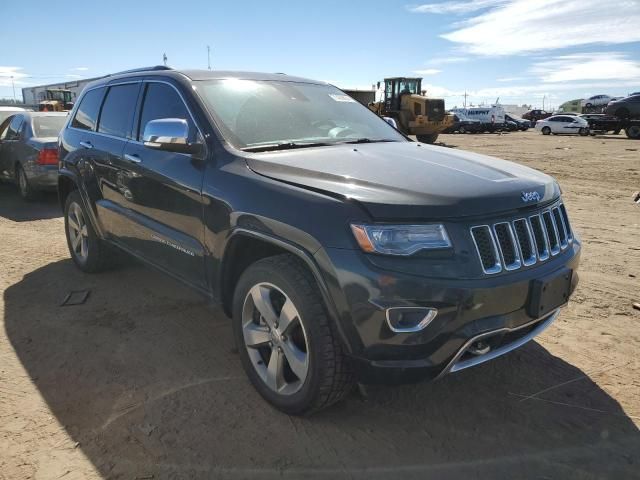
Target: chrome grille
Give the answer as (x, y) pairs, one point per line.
(522, 241)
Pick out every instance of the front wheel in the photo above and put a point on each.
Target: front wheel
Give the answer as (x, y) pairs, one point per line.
(288, 346)
(88, 252)
(583, 132)
(546, 131)
(430, 138)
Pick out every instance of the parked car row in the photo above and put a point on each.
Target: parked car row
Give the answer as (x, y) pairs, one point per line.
(464, 123)
(619, 114)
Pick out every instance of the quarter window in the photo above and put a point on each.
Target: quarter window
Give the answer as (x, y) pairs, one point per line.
(117, 110)
(13, 132)
(87, 113)
(162, 101)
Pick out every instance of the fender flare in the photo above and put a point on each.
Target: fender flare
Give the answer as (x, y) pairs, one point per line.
(308, 260)
(73, 177)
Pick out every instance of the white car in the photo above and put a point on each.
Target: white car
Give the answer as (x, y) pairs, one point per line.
(565, 124)
(597, 101)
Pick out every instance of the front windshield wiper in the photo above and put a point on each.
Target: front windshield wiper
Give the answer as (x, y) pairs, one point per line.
(369, 140)
(284, 146)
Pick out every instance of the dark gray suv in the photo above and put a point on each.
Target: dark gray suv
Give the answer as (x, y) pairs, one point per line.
(342, 250)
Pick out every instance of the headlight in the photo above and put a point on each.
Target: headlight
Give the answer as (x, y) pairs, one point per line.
(400, 239)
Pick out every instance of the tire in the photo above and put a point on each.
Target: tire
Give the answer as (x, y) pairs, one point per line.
(430, 138)
(546, 130)
(90, 253)
(633, 132)
(323, 373)
(24, 188)
(462, 130)
(583, 132)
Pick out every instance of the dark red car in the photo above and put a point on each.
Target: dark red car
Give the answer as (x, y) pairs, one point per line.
(535, 115)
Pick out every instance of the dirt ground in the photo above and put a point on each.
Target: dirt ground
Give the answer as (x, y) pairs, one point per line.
(142, 381)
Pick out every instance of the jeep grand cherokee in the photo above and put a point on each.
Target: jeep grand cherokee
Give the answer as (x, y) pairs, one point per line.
(342, 250)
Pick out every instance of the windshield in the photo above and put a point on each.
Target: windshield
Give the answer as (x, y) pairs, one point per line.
(253, 113)
(48, 126)
(409, 86)
(60, 95)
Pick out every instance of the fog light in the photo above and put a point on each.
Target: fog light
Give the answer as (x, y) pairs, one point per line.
(409, 319)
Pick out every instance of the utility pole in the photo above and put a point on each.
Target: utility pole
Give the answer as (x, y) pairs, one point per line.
(164, 59)
(544, 97)
(14, 89)
(465, 99)
(208, 57)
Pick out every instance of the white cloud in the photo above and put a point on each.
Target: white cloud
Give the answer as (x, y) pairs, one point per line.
(520, 26)
(613, 66)
(80, 69)
(510, 79)
(428, 71)
(7, 72)
(446, 60)
(456, 7)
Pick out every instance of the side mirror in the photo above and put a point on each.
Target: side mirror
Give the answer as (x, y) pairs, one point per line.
(169, 134)
(390, 121)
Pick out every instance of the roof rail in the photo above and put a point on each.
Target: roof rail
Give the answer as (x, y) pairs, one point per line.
(142, 69)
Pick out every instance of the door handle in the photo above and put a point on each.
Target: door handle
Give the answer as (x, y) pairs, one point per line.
(86, 145)
(132, 158)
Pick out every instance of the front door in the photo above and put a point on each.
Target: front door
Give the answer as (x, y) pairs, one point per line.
(166, 195)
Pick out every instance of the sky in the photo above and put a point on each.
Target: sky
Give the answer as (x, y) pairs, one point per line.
(522, 51)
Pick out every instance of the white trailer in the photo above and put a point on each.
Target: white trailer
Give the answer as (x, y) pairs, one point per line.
(36, 94)
(491, 117)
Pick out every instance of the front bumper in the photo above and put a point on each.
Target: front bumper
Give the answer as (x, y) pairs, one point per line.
(493, 309)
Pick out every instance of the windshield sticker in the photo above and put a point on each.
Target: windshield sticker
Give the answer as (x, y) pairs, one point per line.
(341, 98)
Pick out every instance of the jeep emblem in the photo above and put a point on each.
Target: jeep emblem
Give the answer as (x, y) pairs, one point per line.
(530, 196)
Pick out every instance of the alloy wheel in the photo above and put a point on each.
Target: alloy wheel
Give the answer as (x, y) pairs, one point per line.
(78, 234)
(275, 339)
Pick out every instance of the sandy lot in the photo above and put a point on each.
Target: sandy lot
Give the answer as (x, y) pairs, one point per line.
(142, 381)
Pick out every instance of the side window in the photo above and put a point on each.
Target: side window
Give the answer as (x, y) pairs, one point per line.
(162, 101)
(4, 128)
(117, 109)
(13, 132)
(87, 113)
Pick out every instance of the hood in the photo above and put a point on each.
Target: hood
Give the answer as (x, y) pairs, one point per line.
(403, 180)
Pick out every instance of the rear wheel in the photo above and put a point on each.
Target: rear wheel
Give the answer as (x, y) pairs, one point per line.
(462, 129)
(633, 132)
(546, 130)
(88, 252)
(288, 346)
(430, 138)
(25, 189)
(583, 132)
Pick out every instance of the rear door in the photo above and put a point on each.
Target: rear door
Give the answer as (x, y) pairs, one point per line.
(8, 150)
(166, 197)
